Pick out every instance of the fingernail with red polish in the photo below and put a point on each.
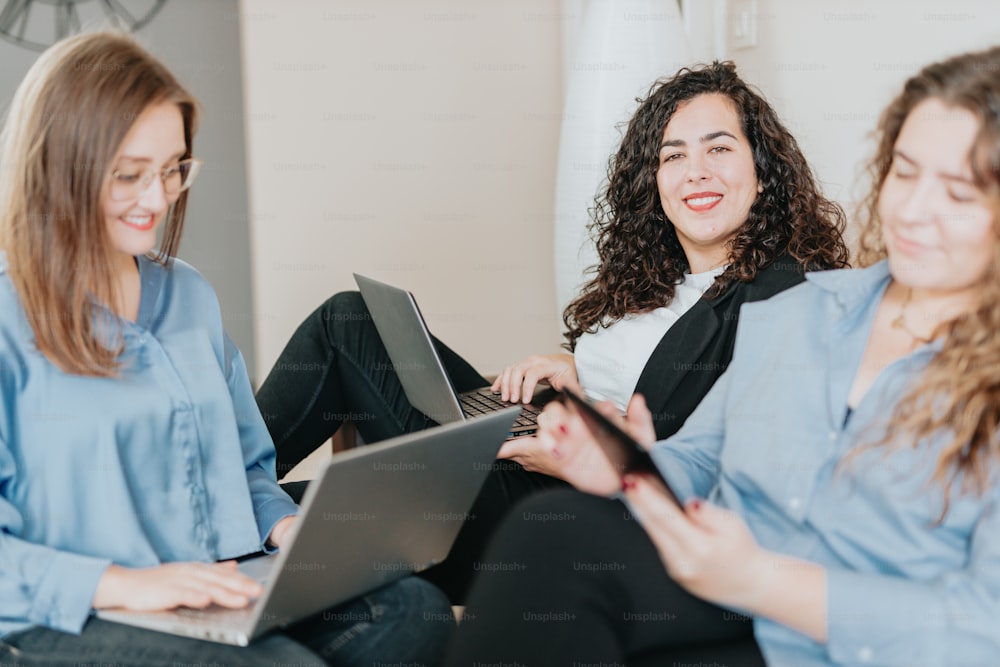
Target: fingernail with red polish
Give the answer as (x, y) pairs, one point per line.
(628, 482)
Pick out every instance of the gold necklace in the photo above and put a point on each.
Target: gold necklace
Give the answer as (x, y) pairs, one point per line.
(901, 323)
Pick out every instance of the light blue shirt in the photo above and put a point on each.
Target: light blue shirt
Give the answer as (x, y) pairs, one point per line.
(766, 443)
(170, 461)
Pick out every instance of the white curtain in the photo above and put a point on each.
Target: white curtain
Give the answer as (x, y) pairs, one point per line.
(613, 51)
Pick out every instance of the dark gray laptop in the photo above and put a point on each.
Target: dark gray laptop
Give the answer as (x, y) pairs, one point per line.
(373, 515)
(418, 364)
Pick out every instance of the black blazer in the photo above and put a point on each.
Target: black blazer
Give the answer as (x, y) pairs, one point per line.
(697, 348)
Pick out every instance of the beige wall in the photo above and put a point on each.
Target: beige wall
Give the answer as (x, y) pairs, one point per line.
(830, 66)
(415, 143)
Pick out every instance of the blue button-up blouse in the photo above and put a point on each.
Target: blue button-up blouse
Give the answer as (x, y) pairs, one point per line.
(769, 442)
(170, 461)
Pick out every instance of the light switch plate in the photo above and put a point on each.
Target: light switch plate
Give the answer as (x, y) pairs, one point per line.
(742, 24)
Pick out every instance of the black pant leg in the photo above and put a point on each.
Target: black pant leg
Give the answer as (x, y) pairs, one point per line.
(335, 368)
(571, 578)
(463, 376)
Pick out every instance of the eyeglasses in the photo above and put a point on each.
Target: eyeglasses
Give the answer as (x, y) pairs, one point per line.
(130, 183)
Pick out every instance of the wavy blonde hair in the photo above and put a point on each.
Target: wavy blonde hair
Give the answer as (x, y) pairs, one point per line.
(959, 392)
(66, 123)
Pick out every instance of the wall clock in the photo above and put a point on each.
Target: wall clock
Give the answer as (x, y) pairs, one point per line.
(37, 24)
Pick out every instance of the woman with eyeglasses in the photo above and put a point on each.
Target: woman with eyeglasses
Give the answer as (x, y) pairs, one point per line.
(709, 204)
(839, 486)
(134, 464)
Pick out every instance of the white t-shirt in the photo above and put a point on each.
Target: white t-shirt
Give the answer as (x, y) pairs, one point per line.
(610, 361)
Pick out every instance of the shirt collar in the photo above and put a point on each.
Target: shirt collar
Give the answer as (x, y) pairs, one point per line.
(855, 288)
(852, 288)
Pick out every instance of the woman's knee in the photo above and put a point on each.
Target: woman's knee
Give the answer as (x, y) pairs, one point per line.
(345, 319)
(416, 619)
(412, 599)
(344, 307)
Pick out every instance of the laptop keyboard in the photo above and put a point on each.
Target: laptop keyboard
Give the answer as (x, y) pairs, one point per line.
(216, 614)
(212, 622)
(484, 401)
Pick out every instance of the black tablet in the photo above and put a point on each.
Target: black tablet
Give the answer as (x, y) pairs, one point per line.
(623, 451)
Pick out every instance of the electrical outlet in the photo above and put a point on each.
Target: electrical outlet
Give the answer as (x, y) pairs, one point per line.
(742, 24)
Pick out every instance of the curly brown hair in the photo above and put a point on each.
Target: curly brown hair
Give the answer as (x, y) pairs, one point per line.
(959, 391)
(640, 259)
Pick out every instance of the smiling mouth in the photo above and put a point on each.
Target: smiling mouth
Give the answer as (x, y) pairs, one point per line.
(907, 245)
(139, 222)
(702, 201)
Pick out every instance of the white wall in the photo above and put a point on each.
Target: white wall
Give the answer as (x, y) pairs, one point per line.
(831, 66)
(416, 141)
(413, 142)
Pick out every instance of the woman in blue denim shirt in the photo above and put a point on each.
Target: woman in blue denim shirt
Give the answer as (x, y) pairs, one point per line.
(134, 464)
(839, 481)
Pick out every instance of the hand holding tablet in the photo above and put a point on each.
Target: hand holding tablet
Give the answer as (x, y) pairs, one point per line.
(624, 452)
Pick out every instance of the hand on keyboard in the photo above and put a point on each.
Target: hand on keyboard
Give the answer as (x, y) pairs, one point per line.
(175, 585)
(517, 382)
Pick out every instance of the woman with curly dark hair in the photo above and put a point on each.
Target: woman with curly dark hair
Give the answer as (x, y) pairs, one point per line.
(709, 204)
(651, 235)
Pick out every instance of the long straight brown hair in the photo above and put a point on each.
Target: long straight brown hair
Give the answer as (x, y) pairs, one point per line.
(63, 132)
(959, 392)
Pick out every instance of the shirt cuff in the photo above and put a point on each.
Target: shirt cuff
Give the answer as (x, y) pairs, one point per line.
(881, 620)
(676, 474)
(269, 514)
(64, 598)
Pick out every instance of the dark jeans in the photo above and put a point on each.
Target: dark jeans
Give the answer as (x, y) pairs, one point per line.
(335, 368)
(572, 579)
(408, 622)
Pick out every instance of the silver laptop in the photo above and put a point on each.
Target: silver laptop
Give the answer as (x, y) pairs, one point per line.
(373, 515)
(418, 364)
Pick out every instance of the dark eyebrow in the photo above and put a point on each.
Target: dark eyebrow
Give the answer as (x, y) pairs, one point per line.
(945, 175)
(716, 135)
(708, 137)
